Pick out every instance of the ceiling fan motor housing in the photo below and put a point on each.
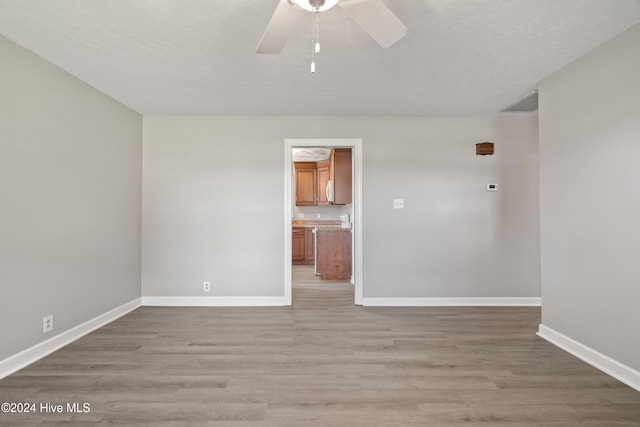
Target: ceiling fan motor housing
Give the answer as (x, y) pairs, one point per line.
(372, 16)
(314, 5)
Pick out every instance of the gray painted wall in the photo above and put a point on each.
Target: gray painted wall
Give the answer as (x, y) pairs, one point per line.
(213, 194)
(70, 191)
(590, 199)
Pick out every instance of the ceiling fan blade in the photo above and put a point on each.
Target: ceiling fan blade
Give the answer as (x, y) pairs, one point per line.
(376, 19)
(284, 21)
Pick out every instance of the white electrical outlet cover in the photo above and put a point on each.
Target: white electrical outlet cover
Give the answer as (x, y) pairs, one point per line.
(47, 324)
(493, 187)
(398, 203)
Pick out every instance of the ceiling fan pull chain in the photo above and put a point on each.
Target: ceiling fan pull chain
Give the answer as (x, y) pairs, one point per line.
(315, 43)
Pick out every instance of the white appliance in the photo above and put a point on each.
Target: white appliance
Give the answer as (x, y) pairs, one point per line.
(329, 191)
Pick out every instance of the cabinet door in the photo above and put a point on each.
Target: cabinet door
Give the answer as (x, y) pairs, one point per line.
(306, 185)
(309, 245)
(324, 175)
(342, 176)
(297, 245)
(334, 254)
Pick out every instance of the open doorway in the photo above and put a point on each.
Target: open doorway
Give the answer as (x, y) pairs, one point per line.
(351, 214)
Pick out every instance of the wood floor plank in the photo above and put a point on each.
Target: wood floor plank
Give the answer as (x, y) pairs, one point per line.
(321, 362)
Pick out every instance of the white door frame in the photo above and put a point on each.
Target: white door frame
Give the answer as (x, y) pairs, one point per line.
(356, 145)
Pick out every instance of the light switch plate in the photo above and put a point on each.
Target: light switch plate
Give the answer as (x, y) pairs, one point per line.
(398, 203)
(493, 187)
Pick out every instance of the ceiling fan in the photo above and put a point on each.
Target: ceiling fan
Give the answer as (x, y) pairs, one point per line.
(372, 15)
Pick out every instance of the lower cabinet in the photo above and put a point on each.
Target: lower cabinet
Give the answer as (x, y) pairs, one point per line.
(309, 246)
(302, 245)
(334, 254)
(297, 245)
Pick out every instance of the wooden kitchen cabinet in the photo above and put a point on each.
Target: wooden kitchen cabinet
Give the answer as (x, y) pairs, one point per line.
(297, 245)
(337, 169)
(334, 254)
(342, 176)
(311, 179)
(309, 246)
(324, 171)
(306, 183)
(302, 245)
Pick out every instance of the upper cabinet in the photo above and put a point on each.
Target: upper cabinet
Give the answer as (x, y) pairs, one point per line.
(324, 176)
(306, 184)
(325, 183)
(342, 176)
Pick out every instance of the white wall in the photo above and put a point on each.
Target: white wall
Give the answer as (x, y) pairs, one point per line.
(590, 199)
(70, 190)
(453, 239)
(212, 207)
(324, 212)
(213, 197)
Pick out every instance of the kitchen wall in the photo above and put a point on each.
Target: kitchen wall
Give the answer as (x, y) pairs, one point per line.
(590, 205)
(213, 195)
(70, 191)
(321, 212)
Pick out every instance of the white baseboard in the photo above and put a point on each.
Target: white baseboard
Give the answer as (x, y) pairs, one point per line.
(26, 357)
(609, 366)
(216, 301)
(450, 302)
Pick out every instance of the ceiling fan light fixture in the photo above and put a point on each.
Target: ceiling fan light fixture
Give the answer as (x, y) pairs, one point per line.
(316, 5)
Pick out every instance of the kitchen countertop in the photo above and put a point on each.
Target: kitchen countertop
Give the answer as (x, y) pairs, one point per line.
(332, 228)
(315, 223)
(325, 225)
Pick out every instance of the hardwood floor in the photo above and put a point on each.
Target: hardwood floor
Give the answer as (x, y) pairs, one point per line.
(321, 362)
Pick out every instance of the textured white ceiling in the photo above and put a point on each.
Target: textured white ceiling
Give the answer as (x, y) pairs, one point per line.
(197, 57)
(310, 154)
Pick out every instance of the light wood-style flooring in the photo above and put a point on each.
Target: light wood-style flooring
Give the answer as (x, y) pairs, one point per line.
(321, 362)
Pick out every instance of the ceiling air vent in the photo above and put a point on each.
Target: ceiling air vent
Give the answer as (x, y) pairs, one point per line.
(527, 103)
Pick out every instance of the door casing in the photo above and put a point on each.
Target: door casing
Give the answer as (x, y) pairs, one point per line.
(356, 145)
